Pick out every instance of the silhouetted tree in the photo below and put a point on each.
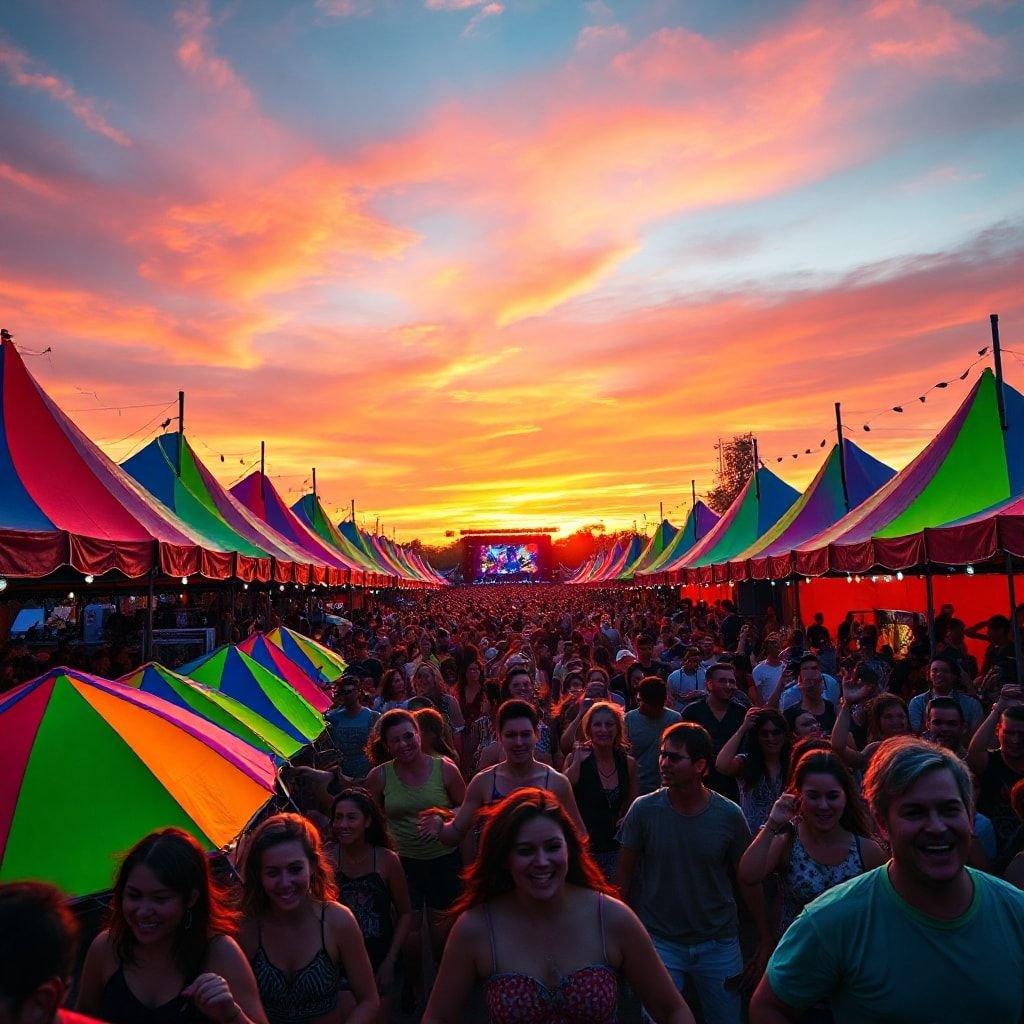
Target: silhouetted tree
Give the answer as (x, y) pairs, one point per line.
(737, 465)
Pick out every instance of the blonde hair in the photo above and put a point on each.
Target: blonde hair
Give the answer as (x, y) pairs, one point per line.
(621, 739)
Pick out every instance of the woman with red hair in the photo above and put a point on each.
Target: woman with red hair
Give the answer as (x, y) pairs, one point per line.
(538, 925)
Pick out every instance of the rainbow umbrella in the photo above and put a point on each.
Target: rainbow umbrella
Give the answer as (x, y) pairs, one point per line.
(266, 653)
(302, 649)
(214, 706)
(235, 674)
(91, 766)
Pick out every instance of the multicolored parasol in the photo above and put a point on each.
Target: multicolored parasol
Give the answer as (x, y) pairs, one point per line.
(91, 766)
(305, 682)
(214, 706)
(230, 671)
(302, 649)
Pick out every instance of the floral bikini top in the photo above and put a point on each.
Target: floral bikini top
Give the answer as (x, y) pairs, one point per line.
(588, 995)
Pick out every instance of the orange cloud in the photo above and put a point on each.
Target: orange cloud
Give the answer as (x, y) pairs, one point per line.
(268, 236)
(196, 54)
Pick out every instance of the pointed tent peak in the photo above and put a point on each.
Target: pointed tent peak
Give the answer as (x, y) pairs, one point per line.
(763, 500)
(823, 502)
(864, 473)
(970, 464)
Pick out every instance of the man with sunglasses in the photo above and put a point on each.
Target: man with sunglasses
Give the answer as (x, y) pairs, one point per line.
(681, 845)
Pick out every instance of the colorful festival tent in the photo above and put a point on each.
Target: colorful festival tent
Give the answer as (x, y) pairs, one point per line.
(91, 766)
(65, 503)
(309, 511)
(656, 544)
(700, 520)
(259, 495)
(231, 672)
(764, 499)
(305, 651)
(265, 652)
(169, 469)
(627, 555)
(837, 487)
(972, 465)
(214, 706)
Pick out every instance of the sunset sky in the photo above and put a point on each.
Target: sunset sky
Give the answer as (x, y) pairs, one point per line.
(510, 262)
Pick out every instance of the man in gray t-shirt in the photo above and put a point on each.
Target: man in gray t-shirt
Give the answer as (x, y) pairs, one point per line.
(680, 846)
(644, 726)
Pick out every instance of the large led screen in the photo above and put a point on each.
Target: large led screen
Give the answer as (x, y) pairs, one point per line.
(506, 561)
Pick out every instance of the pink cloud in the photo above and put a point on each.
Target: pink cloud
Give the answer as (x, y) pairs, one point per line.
(196, 53)
(21, 70)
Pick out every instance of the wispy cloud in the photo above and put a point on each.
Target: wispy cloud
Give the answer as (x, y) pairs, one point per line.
(23, 71)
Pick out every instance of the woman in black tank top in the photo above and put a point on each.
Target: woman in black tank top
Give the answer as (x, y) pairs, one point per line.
(167, 956)
(372, 884)
(603, 778)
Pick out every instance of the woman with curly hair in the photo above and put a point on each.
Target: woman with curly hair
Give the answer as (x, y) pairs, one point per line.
(394, 691)
(538, 925)
(371, 883)
(168, 956)
(302, 944)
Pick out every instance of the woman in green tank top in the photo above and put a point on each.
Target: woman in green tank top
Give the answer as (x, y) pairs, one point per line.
(406, 782)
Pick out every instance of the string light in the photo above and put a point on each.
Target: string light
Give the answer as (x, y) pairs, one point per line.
(90, 579)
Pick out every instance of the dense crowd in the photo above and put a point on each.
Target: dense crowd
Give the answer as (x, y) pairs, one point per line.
(557, 805)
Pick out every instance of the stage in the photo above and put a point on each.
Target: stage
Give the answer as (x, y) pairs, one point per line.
(507, 556)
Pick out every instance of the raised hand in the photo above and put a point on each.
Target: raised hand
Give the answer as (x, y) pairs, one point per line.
(784, 810)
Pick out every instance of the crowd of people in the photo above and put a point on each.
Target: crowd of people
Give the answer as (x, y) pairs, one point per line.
(558, 805)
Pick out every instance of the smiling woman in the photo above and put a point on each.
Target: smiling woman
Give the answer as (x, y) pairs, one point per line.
(537, 924)
(168, 955)
(303, 945)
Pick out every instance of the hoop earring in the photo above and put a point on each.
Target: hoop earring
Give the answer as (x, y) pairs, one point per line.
(188, 919)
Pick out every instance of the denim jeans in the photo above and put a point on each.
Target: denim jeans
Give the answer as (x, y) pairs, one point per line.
(709, 964)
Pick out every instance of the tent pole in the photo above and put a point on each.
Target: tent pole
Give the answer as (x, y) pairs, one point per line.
(1011, 588)
(757, 479)
(181, 426)
(263, 457)
(797, 617)
(997, 358)
(147, 638)
(842, 457)
(930, 599)
(693, 507)
(314, 485)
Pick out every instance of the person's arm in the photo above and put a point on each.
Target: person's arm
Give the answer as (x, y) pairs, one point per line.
(394, 875)
(984, 738)
(625, 869)
(563, 790)
(568, 738)
(226, 991)
(767, 1008)
(633, 788)
(785, 677)
(641, 966)
(460, 969)
(349, 947)
(729, 762)
(452, 831)
(771, 843)
(842, 746)
(99, 966)
(573, 763)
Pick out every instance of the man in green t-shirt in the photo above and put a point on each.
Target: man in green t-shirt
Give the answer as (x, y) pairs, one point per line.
(920, 940)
